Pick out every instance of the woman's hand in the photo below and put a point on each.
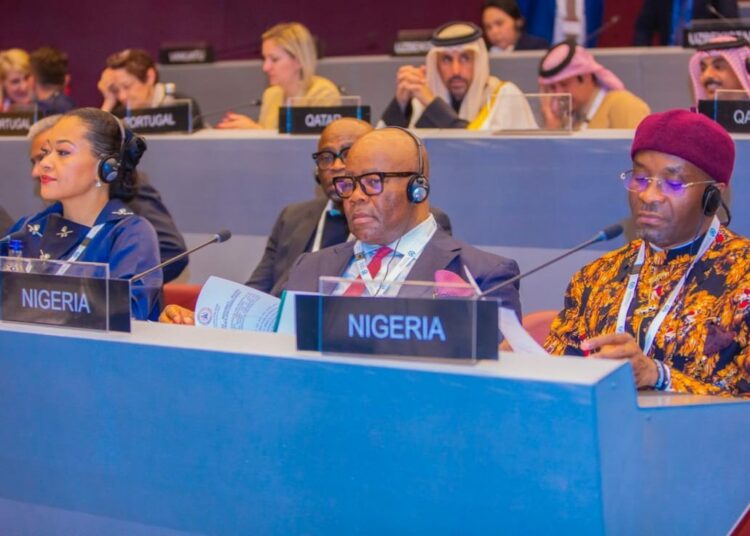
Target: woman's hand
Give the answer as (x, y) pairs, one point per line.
(237, 121)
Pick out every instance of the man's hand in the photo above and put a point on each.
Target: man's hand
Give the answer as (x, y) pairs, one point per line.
(623, 346)
(106, 86)
(174, 314)
(411, 82)
(237, 121)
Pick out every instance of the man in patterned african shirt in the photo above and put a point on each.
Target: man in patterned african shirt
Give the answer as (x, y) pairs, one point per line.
(676, 301)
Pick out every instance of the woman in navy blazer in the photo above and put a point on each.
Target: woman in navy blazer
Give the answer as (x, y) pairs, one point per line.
(87, 171)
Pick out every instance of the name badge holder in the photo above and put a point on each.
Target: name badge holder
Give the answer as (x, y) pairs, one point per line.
(63, 293)
(18, 120)
(298, 117)
(730, 108)
(413, 319)
(175, 116)
(528, 114)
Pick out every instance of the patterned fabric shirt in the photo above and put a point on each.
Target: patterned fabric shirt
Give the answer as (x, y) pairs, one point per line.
(703, 339)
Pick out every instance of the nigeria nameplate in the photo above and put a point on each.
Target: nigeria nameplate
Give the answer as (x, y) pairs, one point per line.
(176, 117)
(16, 123)
(313, 119)
(733, 115)
(70, 301)
(446, 328)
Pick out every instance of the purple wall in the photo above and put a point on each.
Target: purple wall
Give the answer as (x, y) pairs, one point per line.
(89, 32)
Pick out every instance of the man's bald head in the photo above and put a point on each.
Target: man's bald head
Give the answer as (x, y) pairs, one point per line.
(396, 145)
(383, 218)
(346, 126)
(333, 144)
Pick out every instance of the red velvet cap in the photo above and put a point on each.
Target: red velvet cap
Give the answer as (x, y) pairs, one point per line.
(691, 136)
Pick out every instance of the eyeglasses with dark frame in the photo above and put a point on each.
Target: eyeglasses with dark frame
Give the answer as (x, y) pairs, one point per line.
(637, 182)
(325, 159)
(371, 183)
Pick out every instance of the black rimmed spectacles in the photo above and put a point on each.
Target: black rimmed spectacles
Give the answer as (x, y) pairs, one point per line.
(371, 183)
(325, 159)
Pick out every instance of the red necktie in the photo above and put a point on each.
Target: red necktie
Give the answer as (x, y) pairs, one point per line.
(357, 289)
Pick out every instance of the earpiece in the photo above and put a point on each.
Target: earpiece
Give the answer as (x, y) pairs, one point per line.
(111, 165)
(418, 188)
(711, 200)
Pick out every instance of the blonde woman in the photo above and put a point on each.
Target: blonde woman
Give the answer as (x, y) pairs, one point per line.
(289, 59)
(16, 82)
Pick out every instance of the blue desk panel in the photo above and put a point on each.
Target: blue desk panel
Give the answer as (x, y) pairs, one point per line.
(211, 432)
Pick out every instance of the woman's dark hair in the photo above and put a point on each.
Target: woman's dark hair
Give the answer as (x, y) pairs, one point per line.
(105, 135)
(509, 6)
(136, 61)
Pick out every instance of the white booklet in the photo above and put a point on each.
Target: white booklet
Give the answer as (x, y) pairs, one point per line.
(518, 338)
(230, 305)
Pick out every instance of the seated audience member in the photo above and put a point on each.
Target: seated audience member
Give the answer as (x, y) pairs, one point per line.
(146, 201)
(87, 167)
(658, 17)
(685, 325)
(720, 64)
(49, 67)
(385, 195)
(16, 82)
(598, 97)
(320, 222)
(131, 82)
(454, 88)
(504, 28)
(5, 220)
(391, 221)
(289, 59)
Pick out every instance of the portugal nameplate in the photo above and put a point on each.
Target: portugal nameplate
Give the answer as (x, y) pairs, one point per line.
(176, 117)
(16, 123)
(444, 328)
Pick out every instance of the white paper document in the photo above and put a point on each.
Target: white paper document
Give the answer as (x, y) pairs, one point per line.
(518, 338)
(230, 305)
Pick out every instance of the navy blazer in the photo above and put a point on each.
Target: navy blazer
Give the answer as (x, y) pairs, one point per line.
(442, 252)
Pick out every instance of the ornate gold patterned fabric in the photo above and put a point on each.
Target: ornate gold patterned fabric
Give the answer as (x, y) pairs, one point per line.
(704, 338)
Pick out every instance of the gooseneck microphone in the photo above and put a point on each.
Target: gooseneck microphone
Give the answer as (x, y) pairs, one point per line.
(608, 233)
(221, 236)
(614, 19)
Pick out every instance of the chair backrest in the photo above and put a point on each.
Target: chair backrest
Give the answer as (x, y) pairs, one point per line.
(183, 294)
(538, 324)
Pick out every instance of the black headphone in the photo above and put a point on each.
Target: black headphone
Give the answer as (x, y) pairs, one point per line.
(711, 200)
(110, 165)
(418, 188)
(737, 42)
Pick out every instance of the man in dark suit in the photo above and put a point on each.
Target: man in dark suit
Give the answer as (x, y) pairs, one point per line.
(317, 223)
(385, 192)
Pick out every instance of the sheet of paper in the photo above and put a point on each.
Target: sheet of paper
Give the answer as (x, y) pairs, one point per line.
(518, 338)
(230, 305)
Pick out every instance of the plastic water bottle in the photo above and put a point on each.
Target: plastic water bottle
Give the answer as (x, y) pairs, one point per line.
(169, 91)
(15, 251)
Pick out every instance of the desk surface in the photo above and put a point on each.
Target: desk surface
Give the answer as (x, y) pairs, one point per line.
(170, 430)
